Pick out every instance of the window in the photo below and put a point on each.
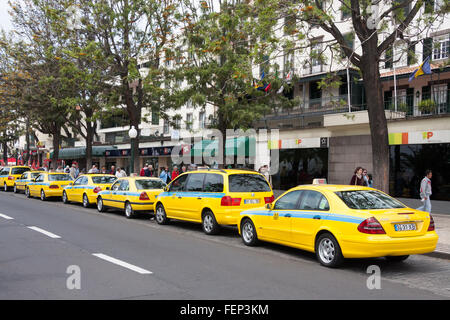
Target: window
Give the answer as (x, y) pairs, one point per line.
(248, 183)
(195, 182)
(149, 184)
(368, 200)
(202, 120)
(40, 178)
(24, 176)
(116, 186)
(288, 62)
(5, 172)
(166, 127)
(34, 175)
(189, 121)
(124, 185)
(313, 200)
(59, 177)
(213, 183)
(80, 181)
(316, 52)
(389, 56)
(349, 42)
(289, 201)
(441, 47)
(411, 55)
(178, 184)
(103, 179)
(19, 170)
(155, 116)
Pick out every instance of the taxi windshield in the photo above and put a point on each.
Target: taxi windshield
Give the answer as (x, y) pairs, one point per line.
(35, 174)
(143, 184)
(103, 179)
(59, 177)
(368, 200)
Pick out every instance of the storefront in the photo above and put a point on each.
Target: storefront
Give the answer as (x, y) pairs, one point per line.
(411, 153)
(300, 161)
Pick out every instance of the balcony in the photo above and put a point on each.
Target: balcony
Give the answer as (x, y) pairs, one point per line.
(434, 103)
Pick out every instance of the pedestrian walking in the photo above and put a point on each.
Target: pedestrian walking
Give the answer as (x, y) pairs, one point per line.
(366, 177)
(143, 170)
(72, 172)
(94, 169)
(67, 169)
(150, 172)
(120, 173)
(425, 192)
(175, 173)
(358, 179)
(104, 171)
(113, 170)
(163, 176)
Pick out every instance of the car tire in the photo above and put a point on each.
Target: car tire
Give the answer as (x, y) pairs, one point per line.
(160, 215)
(43, 197)
(100, 206)
(397, 258)
(209, 223)
(27, 192)
(65, 200)
(129, 213)
(15, 189)
(86, 203)
(248, 233)
(328, 251)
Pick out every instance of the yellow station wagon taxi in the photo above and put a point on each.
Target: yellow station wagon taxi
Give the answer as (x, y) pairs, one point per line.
(131, 194)
(8, 175)
(21, 183)
(86, 187)
(213, 197)
(48, 184)
(338, 221)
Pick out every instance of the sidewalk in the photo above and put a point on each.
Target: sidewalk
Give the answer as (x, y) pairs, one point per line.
(440, 211)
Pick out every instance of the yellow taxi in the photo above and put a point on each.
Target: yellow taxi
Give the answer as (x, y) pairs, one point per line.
(131, 194)
(48, 184)
(86, 187)
(212, 197)
(339, 221)
(27, 177)
(8, 175)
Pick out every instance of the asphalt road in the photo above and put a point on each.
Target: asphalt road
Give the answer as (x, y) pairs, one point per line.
(40, 242)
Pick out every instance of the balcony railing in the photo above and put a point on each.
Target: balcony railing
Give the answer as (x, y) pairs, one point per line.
(436, 102)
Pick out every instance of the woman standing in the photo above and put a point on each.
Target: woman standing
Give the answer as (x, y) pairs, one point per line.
(358, 178)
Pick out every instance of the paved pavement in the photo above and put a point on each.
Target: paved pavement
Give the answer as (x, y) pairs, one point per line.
(440, 211)
(138, 259)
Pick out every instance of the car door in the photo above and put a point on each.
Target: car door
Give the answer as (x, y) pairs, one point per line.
(35, 188)
(189, 203)
(77, 189)
(277, 224)
(312, 209)
(108, 195)
(176, 189)
(121, 194)
(20, 183)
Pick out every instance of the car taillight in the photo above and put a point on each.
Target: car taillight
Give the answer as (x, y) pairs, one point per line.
(54, 186)
(144, 196)
(269, 199)
(431, 226)
(371, 226)
(228, 201)
(10, 178)
(97, 189)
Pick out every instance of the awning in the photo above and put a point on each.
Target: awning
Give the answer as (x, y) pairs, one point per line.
(241, 146)
(80, 153)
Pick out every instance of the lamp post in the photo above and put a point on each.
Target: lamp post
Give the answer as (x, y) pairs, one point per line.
(132, 134)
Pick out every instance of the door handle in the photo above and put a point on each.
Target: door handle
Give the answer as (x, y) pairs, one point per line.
(199, 198)
(287, 215)
(317, 217)
(179, 197)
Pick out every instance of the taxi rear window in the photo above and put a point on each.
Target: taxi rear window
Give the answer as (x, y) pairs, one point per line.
(19, 170)
(59, 177)
(4, 172)
(149, 184)
(368, 200)
(247, 183)
(103, 179)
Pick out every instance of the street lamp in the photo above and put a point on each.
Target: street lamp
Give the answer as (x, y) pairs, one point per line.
(133, 135)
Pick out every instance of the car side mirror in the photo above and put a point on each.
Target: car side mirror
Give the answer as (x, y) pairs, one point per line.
(108, 188)
(269, 206)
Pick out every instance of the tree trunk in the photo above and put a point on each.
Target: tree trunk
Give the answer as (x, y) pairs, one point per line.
(377, 118)
(56, 142)
(89, 140)
(27, 139)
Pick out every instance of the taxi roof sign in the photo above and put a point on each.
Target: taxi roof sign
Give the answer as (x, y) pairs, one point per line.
(320, 181)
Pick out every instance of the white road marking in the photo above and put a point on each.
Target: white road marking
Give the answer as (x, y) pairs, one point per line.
(5, 216)
(122, 263)
(49, 234)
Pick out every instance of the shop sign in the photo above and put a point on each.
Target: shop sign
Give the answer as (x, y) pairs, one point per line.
(295, 143)
(419, 137)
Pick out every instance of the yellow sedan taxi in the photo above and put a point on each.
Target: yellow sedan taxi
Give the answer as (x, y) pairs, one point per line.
(212, 197)
(86, 187)
(338, 221)
(131, 194)
(8, 175)
(21, 183)
(48, 185)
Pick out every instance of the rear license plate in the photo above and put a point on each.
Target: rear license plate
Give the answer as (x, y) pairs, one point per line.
(405, 227)
(251, 201)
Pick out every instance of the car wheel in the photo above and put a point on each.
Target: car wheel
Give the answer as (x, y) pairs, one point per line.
(129, 213)
(43, 197)
(160, 215)
(86, 203)
(328, 251)
(15, 188)
(100, 206)
(397, 258)
(65, 200)
(248, 233)
(209, 223)
(27, 193)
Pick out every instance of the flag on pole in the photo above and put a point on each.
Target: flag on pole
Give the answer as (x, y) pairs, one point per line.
(424, 68)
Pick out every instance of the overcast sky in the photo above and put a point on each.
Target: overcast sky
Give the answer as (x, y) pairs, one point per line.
(5, 19)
